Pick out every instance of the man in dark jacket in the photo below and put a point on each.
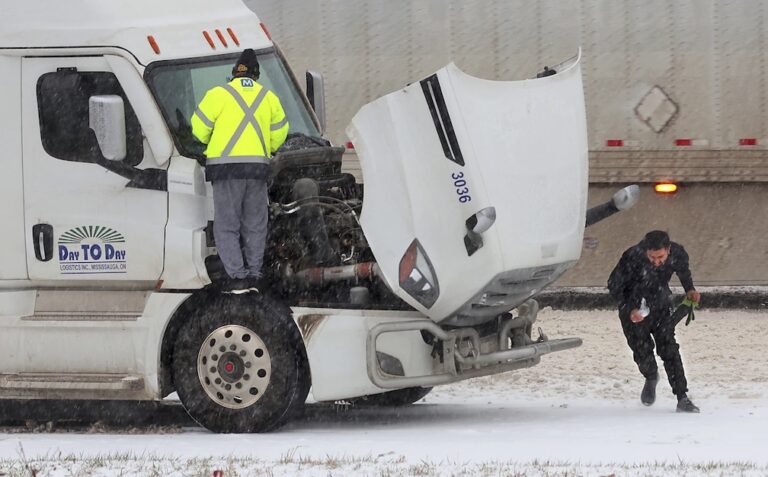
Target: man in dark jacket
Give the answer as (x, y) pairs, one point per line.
(640, 285)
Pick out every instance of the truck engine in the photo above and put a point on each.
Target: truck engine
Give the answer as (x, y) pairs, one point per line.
(317, 253)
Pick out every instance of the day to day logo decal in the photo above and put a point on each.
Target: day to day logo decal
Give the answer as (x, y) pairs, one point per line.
(92, 249)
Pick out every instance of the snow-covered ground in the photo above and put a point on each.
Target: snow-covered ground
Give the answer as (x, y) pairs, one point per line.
(577, 413)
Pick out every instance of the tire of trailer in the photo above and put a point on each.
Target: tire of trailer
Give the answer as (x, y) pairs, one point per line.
(396, 398)
(239, 365)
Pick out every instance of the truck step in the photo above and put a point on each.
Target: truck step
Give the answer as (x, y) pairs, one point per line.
(83, 316)
(71, 386)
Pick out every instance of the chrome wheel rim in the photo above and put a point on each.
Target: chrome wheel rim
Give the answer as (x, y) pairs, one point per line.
(234, 366)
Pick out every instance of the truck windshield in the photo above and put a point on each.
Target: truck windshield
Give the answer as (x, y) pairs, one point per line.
(179, 86)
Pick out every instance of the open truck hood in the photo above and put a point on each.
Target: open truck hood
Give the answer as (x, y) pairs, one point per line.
(441, 150)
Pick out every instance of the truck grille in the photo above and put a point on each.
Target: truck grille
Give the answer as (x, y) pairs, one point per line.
(506, 291)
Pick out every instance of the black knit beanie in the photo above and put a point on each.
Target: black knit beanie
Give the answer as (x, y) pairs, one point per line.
(247, 64)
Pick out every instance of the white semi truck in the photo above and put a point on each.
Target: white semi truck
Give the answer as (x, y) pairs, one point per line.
(109, 274)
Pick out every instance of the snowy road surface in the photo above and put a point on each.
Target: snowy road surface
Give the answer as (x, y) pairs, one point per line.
(577, 412)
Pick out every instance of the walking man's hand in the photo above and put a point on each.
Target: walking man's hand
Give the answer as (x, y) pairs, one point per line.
(635, 316)
(693, 295)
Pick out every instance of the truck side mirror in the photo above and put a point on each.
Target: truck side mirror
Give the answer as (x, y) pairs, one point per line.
(476, 224)
(626, 197)
(621, 200)
(316, 95)
(106, 116)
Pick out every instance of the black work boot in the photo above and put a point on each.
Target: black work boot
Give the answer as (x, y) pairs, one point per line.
(648, 396)
(685, 405)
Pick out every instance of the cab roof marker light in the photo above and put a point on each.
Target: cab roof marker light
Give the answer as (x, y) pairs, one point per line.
(209, 40)
(221, 38)
(266, 32)
(233, 36)
(153, 44)
(665, 188)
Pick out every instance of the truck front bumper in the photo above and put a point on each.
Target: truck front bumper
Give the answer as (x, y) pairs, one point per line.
(358, 352)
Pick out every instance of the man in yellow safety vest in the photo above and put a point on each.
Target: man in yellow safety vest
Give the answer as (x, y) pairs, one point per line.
(243, 124)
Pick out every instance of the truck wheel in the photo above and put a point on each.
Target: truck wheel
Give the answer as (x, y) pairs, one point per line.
(238, 365)
(398, 397)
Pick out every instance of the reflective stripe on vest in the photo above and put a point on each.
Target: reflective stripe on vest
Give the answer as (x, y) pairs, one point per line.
(249, 118)
(214, 161)
(202, 117)
(279, 125)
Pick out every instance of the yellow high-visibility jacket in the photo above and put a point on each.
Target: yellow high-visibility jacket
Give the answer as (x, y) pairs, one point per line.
(243, 124)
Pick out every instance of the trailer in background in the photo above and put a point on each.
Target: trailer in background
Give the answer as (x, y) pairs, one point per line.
(675, 91)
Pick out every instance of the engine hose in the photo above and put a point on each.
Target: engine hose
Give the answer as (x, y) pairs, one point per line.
(320, 276)
(291, 207)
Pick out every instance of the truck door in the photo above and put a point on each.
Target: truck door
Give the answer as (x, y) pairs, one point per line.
(85, 225)
(12, 256)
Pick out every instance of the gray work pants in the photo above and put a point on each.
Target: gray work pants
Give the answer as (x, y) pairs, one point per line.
(240, 212)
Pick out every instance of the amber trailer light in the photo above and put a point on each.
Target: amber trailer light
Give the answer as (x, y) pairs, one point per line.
(665, 188)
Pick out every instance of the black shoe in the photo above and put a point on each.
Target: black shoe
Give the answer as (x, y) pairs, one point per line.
(648, 396)
(685, 405)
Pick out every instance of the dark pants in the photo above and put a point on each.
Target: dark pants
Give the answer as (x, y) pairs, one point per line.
(659, 327)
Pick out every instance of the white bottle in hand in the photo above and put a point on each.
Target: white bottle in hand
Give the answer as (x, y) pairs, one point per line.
(644, 310)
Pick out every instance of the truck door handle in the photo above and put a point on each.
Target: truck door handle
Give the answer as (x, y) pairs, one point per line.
(42, 241)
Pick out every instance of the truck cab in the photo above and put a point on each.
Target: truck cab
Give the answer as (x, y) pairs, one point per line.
(93, 242)
(108, 283)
